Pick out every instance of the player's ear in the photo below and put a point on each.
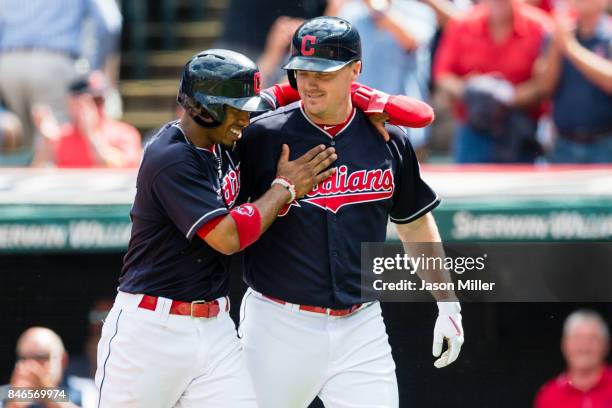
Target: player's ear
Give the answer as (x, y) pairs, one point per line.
(356, 68)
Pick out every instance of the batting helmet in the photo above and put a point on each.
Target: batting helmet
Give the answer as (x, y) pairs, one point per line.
(215, 78)
(323, 44)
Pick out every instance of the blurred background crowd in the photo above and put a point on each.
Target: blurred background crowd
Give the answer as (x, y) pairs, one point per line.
(83, 83)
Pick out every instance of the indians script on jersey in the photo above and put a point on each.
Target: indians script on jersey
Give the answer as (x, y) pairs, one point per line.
(344, 188)
(231, 186)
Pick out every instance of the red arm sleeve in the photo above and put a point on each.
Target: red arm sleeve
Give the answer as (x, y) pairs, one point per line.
(283, 94)
(402, 110)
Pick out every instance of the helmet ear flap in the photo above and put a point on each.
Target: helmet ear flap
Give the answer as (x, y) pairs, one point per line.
(204, 118)
(199, 113)
(292, 79)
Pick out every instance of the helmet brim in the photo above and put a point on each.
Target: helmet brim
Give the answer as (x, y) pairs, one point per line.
(252, 104)
(315, 64)
(248, 104)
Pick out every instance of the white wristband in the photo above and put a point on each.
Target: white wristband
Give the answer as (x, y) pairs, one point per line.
(288, 185)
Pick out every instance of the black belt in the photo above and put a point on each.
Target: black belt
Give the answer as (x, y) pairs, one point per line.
(586, 136)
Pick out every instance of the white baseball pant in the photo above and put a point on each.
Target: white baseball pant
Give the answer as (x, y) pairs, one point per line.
(294, 355)
(152, 359)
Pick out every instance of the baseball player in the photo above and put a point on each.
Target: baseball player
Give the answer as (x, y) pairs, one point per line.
(168, 340)
(306, 328)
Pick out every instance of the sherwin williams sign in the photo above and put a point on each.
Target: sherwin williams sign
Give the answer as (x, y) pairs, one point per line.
(88, 210)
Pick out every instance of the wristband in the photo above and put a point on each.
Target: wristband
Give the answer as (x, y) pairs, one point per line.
(248, 224)
(285, 182)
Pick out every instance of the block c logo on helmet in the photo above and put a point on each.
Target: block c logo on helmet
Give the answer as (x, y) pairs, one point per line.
(307, 45)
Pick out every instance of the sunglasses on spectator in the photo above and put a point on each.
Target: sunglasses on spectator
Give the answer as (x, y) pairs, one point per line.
(41, 358)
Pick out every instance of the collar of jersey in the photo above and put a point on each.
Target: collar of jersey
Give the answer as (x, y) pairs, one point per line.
(175, 124)
(323, 130)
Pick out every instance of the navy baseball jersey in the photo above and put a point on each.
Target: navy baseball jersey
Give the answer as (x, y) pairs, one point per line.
(178, 190)
(312, 253)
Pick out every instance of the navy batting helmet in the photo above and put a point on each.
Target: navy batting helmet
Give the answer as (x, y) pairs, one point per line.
(323, 44)
(215, 78)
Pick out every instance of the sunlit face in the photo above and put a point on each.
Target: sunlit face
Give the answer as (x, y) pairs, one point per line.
(77, 104)
(74, 107)
(36, 349)
(230, 130)
(325, 93)
(500, 10)
(585, 345)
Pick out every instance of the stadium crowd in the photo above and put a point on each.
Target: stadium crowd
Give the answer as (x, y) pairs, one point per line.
(526, 80)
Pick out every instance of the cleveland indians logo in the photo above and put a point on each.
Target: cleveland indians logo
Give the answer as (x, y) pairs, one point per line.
(231, 186)
(343, 188)
(257, 82)
(246, 209)
(307, 45)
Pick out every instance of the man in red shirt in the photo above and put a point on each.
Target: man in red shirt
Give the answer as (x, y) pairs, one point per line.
(487, 64)
(90, 139)
(545, 5)
(587, 381)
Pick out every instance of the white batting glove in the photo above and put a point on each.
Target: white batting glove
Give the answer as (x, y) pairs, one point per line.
(448, 326)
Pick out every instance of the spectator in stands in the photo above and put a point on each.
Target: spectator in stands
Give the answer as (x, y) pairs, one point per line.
(278, 38)
(277, 46)
(39, 45)
(487, 64)
(247, 22)
(579, 78)
(11, 131)
(41, 360)
(447, 10)
(545, 5)
(395, 37)
(587, 381)
(90, 139)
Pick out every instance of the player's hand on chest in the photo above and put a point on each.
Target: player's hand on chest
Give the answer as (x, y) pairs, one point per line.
(356, 152)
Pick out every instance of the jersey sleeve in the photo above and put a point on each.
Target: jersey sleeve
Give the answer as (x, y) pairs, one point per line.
(412, 198)
(187, 197)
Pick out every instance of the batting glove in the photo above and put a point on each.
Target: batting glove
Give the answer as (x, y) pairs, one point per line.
(448, 326)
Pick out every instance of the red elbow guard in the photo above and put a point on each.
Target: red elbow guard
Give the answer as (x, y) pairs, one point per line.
(283, 93)
(248, 224)
(409, 112)
(402, 110)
